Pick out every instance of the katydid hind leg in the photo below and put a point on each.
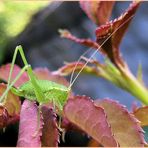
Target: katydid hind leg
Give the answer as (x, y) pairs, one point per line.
(20, 50)
(37, 89)
(33, 79)
(17, 49)
(11, 68)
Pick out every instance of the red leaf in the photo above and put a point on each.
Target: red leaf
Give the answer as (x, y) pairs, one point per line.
(4, 74)
(10, 107)
(68, 69)
(90, 118)
(142, 115)
(87, 42)
(12, 102)
(98, 11)
(3, 117)
(125, 127)
(68, 126)
(117, 28)
(50, 134)
(28, 126)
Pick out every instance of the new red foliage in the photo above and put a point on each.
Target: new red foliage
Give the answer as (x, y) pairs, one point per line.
(50, 133)
(29, 132)
(90, 118)
(98, 11)
(4, 74)
(125, 126)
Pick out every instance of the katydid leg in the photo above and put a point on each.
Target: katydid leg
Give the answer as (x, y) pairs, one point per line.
(13, 82)
(37, 89)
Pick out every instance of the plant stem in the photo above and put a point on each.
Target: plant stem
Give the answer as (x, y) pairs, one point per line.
(137, 89)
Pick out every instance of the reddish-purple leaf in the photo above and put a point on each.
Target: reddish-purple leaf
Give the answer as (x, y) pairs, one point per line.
(98, 11)
(12, 102)
(29, 133)
(142, 115)
(50, 134)
(69, 126)
(4, 74)
(134, 107)
(4, 117)
(90, 118)
(87, 42)
(117, 28)
(125, 126)
(10, 108)
(69, 68)
(45, 74)
(14, 119)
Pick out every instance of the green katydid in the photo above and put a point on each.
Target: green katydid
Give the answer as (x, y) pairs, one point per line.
(42, 91)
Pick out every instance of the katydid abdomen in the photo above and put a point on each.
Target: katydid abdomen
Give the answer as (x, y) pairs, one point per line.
(53, 92)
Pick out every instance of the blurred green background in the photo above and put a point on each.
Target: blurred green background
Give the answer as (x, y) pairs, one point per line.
(14, 16)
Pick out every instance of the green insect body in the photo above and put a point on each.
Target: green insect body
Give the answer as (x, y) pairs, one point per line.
(53, 92)
(42, 91)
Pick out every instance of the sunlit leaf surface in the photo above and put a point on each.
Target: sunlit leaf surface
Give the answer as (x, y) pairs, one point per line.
(4, 74)
(125, 127)
(142, 115)
(82, 112)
